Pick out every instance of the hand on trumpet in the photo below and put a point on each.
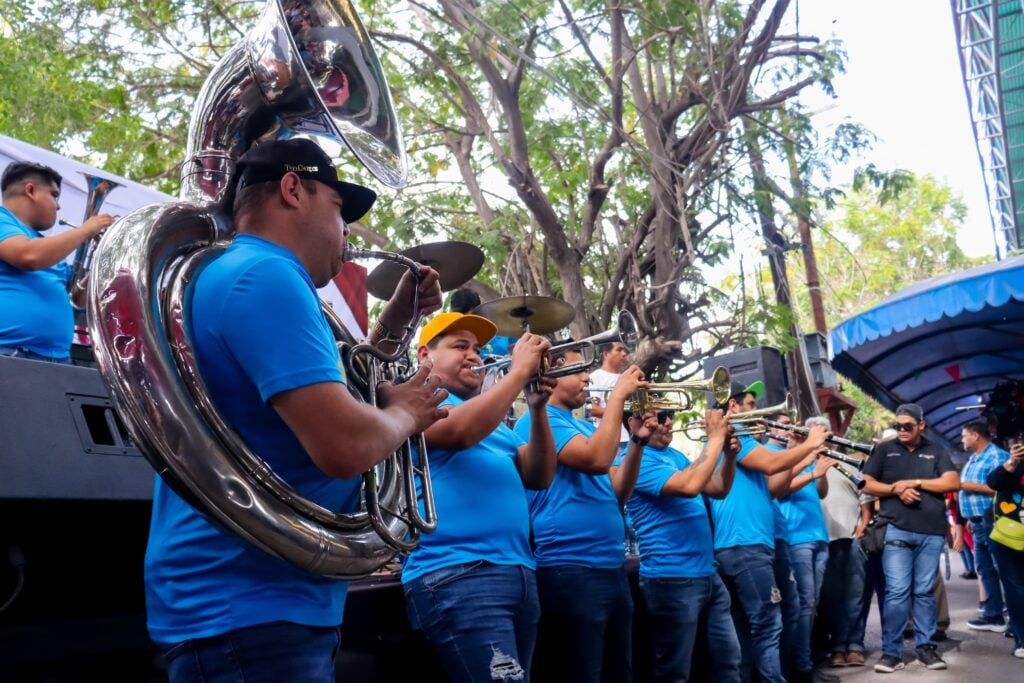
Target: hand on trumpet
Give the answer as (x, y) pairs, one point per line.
(539, 391)
(646, 425)
(627, 384)
(527, 355)
(717, 427)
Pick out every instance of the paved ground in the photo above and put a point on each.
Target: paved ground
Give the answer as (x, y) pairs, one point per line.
(975, 656)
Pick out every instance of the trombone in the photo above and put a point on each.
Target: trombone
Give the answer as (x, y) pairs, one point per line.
(624, 332)
(650, 398)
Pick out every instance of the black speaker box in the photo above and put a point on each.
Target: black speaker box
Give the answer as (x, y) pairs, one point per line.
(749, 365)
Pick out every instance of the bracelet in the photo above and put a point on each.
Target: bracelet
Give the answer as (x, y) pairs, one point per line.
(384, 334)
(633, 438)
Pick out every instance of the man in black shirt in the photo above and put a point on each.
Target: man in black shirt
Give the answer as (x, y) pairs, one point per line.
(910, 475)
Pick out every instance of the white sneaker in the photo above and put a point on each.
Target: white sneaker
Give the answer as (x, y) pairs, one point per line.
(1019, 653)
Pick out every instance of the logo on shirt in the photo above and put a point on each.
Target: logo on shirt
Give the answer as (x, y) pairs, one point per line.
(893, 455)
(925, 456)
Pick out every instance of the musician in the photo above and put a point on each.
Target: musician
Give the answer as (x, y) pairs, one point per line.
(36, 317)
(579, 533)
(910, 475)
(220, 608)
(470, 585)
(806, 543)
(744, 539)
(678, 581)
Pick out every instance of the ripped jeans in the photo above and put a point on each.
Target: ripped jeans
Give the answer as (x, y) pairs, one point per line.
(480, 618)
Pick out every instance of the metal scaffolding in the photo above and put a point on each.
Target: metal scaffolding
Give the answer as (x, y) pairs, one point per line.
(990, 36)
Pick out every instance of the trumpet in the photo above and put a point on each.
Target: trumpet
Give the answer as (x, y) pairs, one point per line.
(650, 399)
(624, 332)
(750, 422)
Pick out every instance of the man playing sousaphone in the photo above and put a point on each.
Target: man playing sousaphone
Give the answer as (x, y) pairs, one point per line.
(220, 608)
(470, 585)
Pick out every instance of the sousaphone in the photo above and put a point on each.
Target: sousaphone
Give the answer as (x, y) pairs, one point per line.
(307, 68)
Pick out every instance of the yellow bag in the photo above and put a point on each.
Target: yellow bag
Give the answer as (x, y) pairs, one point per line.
(1009, 533)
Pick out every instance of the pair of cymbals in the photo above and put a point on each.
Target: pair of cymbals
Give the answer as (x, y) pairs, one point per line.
(517, 314)
(455, 262)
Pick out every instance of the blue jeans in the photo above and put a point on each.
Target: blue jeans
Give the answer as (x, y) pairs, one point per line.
(1011, 573)
(14, 352)
(586, 623)
(808, 562)
(911, 562)
(790, 605)
(675, 608)
(749, 572)
(842, 593)
(278, 651)
(986, 566)
(481, 619)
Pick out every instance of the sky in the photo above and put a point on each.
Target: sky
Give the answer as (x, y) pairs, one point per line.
(903, 83)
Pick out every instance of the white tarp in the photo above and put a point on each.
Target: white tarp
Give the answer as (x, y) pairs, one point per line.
(120, 201)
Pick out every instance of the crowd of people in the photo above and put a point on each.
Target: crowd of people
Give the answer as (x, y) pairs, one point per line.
(763, 551)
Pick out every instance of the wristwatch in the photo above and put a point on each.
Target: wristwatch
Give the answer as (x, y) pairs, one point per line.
(917, 483)
(638, 441)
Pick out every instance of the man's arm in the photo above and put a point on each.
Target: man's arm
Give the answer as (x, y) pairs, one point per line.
(594, 455)
(772, 462)
(537, 460)
(345, 437)
(398, 311)
(624, 475)
(36, 254)
(696, 478)
(973, 487)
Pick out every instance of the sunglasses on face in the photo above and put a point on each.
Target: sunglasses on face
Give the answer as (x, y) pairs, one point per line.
(666, 415)
(904, 426)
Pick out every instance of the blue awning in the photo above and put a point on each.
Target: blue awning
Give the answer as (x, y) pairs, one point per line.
(941, 343)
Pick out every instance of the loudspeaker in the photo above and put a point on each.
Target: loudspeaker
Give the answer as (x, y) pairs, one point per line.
(817, 357)
(749, 365)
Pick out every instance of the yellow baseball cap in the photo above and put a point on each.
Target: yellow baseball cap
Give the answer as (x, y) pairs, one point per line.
(481, 327)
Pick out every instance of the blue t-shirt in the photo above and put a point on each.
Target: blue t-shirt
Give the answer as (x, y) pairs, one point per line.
(35, 311)
(744, 517)
(673, 532)
(497, 347)
(258, 330)
(481, 506)
(577, 521)
(778, 519)
(805, 522)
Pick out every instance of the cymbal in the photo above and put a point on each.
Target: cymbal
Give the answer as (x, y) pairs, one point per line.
(544, 314)
(455, 262)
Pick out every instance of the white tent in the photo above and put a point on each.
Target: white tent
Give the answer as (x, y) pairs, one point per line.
(122, 200)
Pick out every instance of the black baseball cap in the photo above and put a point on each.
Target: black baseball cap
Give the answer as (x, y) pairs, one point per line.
(271, 160)
(910, 410)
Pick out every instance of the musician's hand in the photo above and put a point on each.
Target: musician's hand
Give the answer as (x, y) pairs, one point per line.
(644, 426)
(97, 224)
(418, 397)
(910, 496)
(527, 355)
(816, 436)
(821, 466)
(398, 311)
(732, 445)
(538, 393)
(716, 425)
(628, 383)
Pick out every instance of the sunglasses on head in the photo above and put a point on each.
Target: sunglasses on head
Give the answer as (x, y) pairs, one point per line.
(904, 426)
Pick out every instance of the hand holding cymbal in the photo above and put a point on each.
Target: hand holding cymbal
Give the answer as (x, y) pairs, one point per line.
(455, 262)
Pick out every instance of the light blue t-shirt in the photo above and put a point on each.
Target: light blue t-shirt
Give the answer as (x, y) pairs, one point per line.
(35, 312)
(481, 506)
(673, 532)
(497, 347)
(577, 521)
(744, 517)
(805, 522)
(258, 330)
(778, 519)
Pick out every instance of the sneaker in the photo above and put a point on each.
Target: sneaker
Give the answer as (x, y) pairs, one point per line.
(822, 677)
(854, 658)
(994, 624)
(888, 664)
(837, 659)
(930, 658)
(1019, 653)
(968, 575)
